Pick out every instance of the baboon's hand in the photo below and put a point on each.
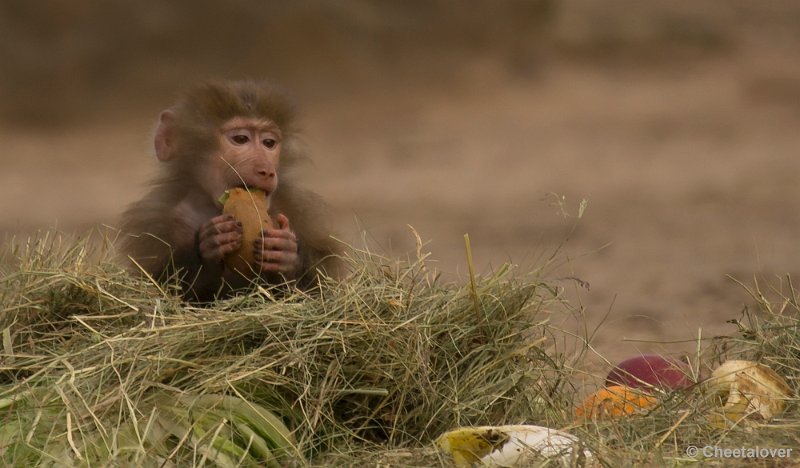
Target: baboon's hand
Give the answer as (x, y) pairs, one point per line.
(276, 251)
(218, 237)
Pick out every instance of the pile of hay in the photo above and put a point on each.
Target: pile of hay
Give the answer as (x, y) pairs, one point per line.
(99, 366)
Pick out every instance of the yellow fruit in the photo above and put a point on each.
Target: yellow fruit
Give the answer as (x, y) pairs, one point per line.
(747, 389)
(615, 401)
(249, 207)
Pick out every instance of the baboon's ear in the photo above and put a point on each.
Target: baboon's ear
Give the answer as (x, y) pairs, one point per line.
(163, 138)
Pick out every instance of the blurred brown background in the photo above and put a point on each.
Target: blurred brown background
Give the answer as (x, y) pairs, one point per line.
(678, 121)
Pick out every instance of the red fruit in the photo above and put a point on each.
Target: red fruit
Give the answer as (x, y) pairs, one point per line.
(648, 371)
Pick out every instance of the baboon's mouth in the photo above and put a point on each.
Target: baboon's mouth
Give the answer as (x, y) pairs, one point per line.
(222, 199)
(251, 188)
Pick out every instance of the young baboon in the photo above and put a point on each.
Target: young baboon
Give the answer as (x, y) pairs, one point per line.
(217, 137)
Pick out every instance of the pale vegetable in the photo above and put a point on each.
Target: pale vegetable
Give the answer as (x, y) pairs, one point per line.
(515, 445)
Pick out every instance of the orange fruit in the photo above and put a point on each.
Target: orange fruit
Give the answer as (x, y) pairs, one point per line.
(615, 401)
(249, 207)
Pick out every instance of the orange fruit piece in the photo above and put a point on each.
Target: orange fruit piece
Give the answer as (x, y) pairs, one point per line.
(615, 401)
(249, 207)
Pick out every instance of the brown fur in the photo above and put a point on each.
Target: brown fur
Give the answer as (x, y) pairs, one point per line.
(160, 230)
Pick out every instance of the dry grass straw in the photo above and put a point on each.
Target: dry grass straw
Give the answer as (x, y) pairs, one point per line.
(388, 358)
(369, 371)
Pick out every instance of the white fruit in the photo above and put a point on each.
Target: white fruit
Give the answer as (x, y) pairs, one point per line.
(509, 445)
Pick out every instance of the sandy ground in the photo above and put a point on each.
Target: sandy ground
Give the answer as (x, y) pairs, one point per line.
(689, 167)
(688, 180)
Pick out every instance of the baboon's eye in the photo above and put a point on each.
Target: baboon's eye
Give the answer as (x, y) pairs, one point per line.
(270, 143)
(240, 139)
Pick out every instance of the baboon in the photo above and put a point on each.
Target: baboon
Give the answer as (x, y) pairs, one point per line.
(219, 136)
